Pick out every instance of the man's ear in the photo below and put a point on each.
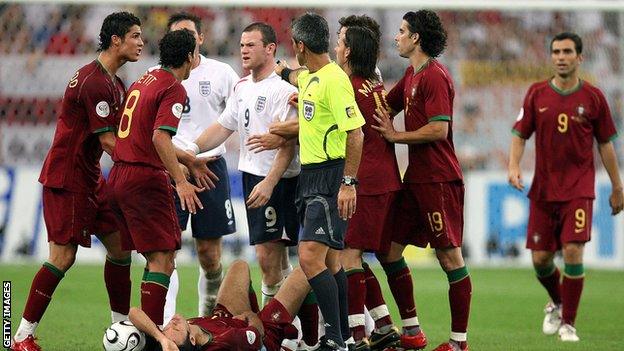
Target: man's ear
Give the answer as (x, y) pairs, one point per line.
(116, 40)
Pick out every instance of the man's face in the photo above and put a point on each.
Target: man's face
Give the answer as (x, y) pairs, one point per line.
(131, 44)
(405, 40)
(564, 58)
(177, 330)
(253, 52)
(190, 26)
(342, 51)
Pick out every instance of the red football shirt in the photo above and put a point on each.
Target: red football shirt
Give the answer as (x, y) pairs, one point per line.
(426, 96)
(379, 171)
(155, 101)
(90, 104)
(228, 334)
(565, 125)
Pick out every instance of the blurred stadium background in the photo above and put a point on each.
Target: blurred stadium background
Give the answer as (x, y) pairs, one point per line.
(496, 49)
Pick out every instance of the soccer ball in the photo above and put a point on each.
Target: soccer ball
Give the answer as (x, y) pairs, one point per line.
(123, 336)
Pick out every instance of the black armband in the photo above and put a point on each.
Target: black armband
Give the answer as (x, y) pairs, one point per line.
(286, 74)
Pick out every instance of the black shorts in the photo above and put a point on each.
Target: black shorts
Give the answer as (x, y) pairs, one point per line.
(277, 220)
(216, 219)
(317, 203)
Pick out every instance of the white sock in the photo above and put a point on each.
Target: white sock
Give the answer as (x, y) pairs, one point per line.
(369, 322)
(269, 291)
(459, 336)
(202, 289)
(118, 317)
(286, 271)
(25, 328)
(170, 300)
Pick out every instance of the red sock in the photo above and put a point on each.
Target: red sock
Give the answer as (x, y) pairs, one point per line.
(552, 283)
(118, 284)
(571, 290)
(357, 295)
(460, 293)
(308, 315)
(400, 282)
(43, 285)
(374, 297)
(153, 294)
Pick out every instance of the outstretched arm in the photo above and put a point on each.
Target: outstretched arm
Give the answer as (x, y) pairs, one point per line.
(142, 322)
(212, 137)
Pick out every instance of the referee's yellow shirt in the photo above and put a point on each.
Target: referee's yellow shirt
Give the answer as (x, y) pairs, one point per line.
(327, 110)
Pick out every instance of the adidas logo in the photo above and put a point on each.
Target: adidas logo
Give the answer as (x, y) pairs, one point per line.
(319, 231)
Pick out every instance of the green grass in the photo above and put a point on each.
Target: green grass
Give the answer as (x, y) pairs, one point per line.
(506, 309)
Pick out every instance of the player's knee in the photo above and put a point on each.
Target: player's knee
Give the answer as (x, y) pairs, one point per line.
(310, 261)
(62, 259)
(450, 259)
(208, 256)
(573, 252)
(351, 258)
(238, 265)
(542, 259)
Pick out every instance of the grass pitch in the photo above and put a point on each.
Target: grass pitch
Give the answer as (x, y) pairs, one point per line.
(506, 311)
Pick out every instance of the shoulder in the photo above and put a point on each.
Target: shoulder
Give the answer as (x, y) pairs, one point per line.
(242, 83)
(592, 90)
(435, 72)
(216, 66)
(280, 85)
(537, 88)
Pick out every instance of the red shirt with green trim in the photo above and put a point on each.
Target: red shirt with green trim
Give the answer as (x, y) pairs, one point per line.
(90, 105)
(425, 96)
(155, 101)
(565, 125)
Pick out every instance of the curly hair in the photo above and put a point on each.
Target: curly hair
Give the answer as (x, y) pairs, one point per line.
(429, 27)
(361, 21)
(175, 47)
(117, 23)
(185, 16)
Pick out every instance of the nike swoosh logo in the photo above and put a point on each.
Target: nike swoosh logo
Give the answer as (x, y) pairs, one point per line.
(438, 235)
(578, 230)
(542, 109)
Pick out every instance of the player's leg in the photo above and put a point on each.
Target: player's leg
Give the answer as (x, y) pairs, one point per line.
(270, 256)
(384, 333)
(332, 261)
(294, 291)
(210, 273)
(351, 260)
(235, 288)
(117, 276)
(154, 287)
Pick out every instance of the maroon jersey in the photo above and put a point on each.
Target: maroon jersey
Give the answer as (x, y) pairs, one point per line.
(379, 171)
(90, 104)
(155, 101)
(426, 96)
(565, 125)
(228, 334)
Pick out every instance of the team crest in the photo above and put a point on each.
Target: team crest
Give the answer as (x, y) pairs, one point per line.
(580, 110)
(350, 111)
(308, 110)
(204, 88)
(413, 91)
(260, 103)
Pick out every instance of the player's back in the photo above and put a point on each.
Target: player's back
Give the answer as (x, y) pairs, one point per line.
(154, 101)
(90, 105)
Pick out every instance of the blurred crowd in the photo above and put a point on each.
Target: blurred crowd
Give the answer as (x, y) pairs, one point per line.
(493, 56)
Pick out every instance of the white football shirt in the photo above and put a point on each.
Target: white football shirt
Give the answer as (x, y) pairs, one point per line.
(252, 107)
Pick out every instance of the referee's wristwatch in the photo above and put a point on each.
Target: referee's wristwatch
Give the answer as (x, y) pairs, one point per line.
(348, 180)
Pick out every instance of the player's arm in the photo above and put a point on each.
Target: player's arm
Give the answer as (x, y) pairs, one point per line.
(609, 160)
(282, 67)
(280, 132)
(353, 154)
(142, 322)
(197, 167)
(166, 151)
(516, 151)
(261, 193)
(107, 140)
(212, 137)
(430, 132)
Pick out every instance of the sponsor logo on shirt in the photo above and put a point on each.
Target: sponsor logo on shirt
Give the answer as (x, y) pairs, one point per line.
(177, 109)
(260, 103)
(308, 110)
(204, 88)
(102, 109)
(350, 111)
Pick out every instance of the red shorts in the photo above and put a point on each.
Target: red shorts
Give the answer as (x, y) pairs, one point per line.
(142, 199)
(430, 213)
(370, 228)
(277, 325)
(552, 224)
(69, 216)
(105, 222)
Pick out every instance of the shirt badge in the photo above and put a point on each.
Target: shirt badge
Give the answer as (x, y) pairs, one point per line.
(204, 88)
(580, 110)
(176, 109)
(102, 109)
(350, 111)
(260, 103)
(308, 110)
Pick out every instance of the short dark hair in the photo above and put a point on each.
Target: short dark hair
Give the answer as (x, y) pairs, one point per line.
(363, 46)
(312, 30)
(429, 27)
(117, 23)
(361, 21)
(184, 16)
(268, 33)
(175, 47)
(578, 42)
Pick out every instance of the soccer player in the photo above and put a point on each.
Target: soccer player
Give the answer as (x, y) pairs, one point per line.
(208, 88)
(145, 159)
(566, 113)
(370, 227)
(74, 201)
(431, 207)
(330, 140)
(269, 178)
(235, 322)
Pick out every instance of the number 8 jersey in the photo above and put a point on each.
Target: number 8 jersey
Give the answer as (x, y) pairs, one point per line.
(565, 124)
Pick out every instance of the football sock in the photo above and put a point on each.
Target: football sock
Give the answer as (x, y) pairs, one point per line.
(343, 301)
(153, 293)
(43, 285)
(171, 299)
(375, 301)
(460, 291)
(326, 291)
(269, 291)
(118, 286)
(550, 278)
(308, 315)
(25, 328)
(401, 286)
(571, 289)
(357, 295)
(286, 271)
(207, 288)
(253, 299)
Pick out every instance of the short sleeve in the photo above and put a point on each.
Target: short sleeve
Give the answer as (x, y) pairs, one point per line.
(283, 110)
(341, 101)
(170, 109)
(603, 125)
(98, 100)
(436, 95)
(231, 78)
(525, 122)
(229, 116)
(395, 96)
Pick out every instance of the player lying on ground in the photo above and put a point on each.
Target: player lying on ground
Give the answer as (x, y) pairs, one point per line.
(235, 323)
